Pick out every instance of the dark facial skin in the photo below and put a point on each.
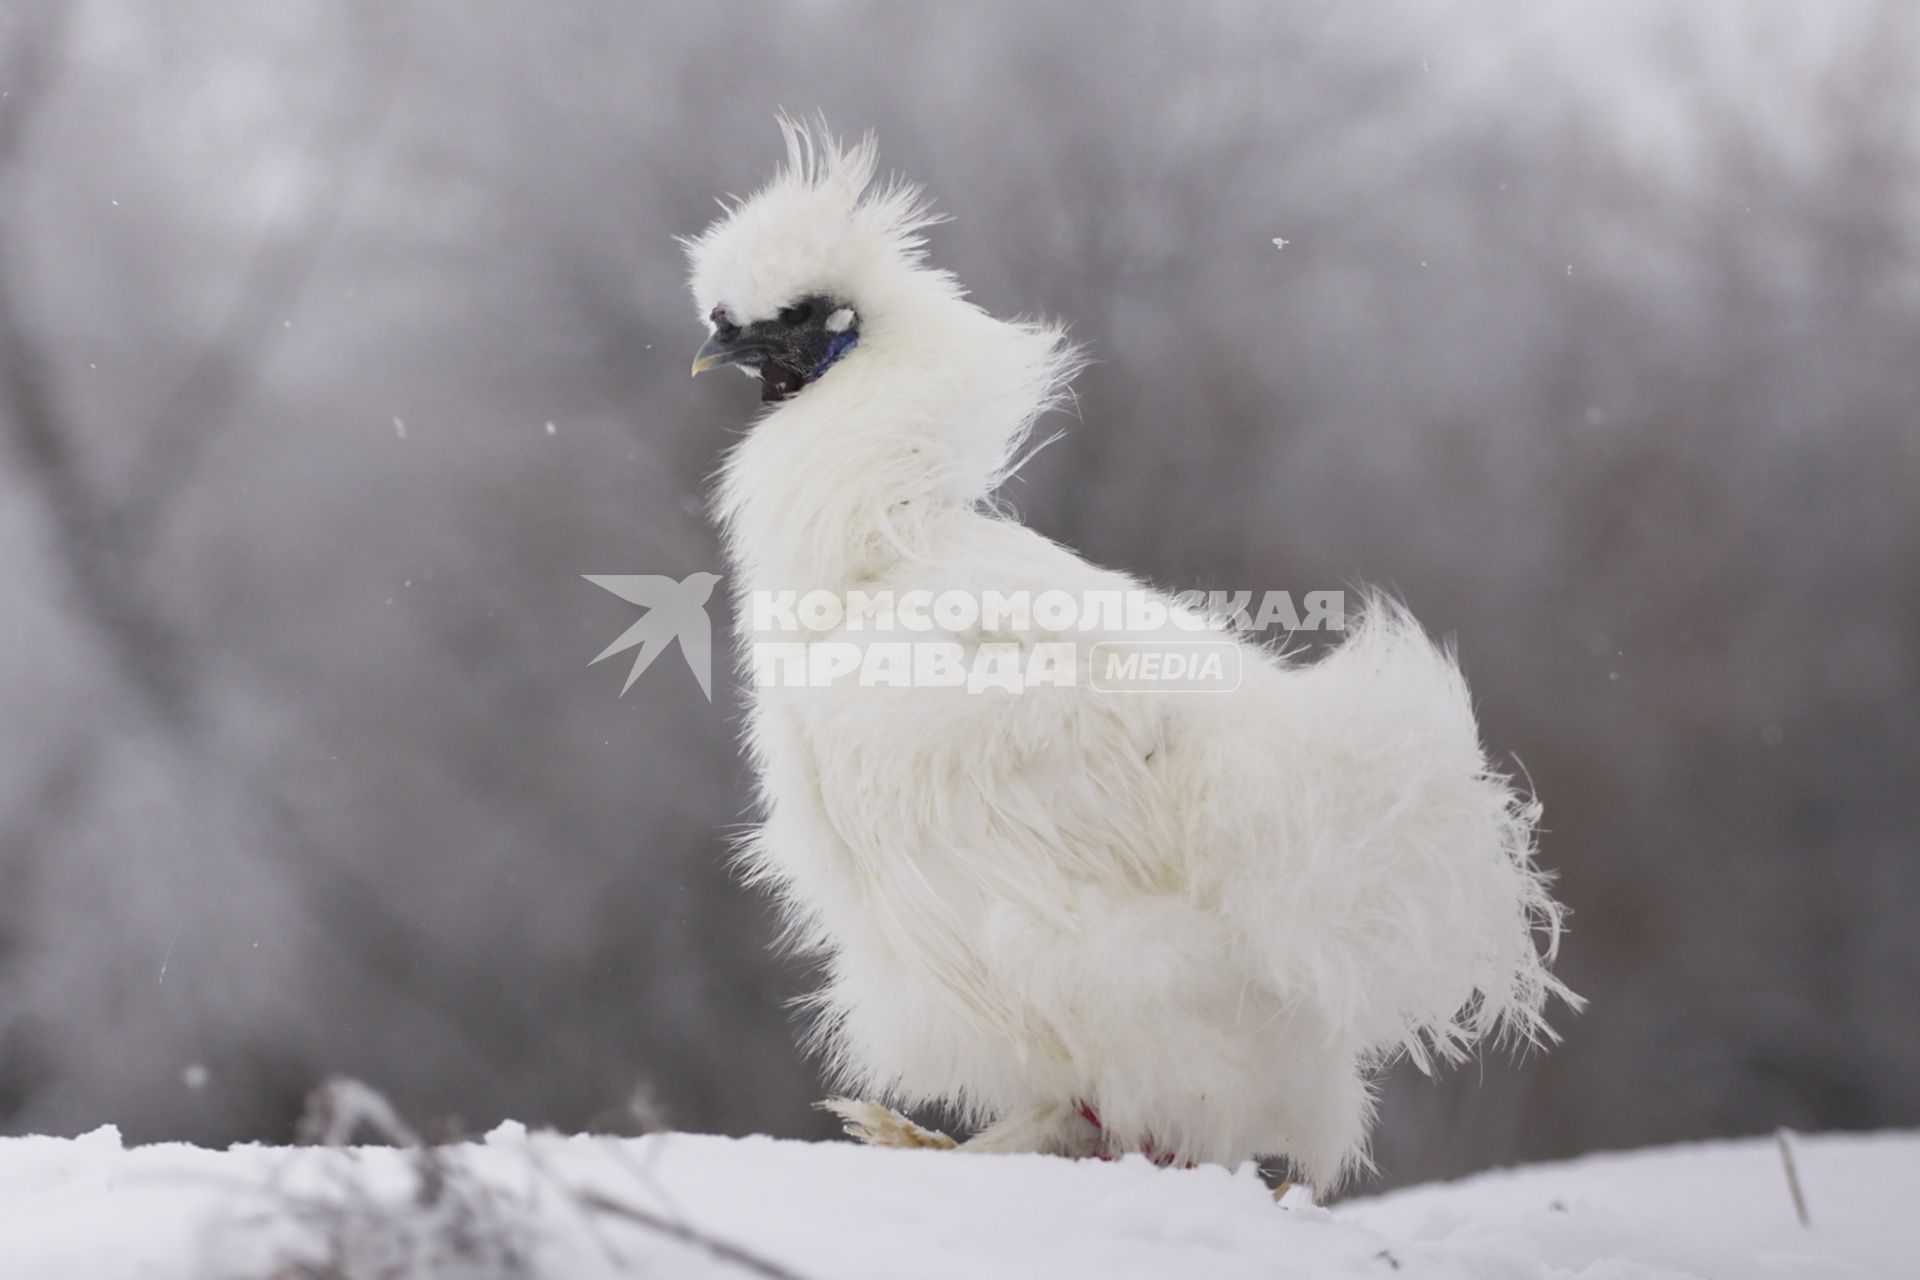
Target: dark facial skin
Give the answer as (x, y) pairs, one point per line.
(789, 351)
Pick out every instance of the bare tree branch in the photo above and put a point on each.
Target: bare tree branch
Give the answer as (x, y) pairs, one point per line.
(202, 406)
(95, 544)
(143, 648)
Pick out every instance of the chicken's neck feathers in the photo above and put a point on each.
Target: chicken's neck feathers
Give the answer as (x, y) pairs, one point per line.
(875, 464)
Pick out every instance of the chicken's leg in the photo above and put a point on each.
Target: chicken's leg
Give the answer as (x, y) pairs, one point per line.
(879, 1126)
(1059, 1130)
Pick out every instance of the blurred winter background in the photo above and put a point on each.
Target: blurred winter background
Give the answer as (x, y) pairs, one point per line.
(337, 340)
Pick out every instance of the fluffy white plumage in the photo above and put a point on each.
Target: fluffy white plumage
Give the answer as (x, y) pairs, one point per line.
(1207, 918)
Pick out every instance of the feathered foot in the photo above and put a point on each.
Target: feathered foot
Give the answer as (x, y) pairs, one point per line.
(1071, 1130)
(1048, 1130)
(879, 1126)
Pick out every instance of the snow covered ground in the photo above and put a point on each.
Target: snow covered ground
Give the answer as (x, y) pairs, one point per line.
(581, 1208)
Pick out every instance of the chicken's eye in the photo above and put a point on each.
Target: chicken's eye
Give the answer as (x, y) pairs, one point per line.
(798, 313)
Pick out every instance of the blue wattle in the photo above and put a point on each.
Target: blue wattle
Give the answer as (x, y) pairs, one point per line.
(841, 344)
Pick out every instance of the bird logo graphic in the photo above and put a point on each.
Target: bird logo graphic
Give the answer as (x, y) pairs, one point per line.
(674, 611)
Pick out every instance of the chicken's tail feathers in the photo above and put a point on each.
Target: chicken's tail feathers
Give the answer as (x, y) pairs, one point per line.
(1409, 903)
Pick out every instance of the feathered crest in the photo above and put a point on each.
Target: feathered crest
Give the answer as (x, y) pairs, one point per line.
(824, 223)
(815, 158)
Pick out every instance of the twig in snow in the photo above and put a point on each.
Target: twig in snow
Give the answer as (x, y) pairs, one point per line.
(1793, 1176)
(355, 1224)
(342, 1107)
(681, 1232)
(451, 1219)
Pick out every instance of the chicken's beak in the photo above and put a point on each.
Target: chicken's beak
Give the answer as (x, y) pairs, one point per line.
(715, 352)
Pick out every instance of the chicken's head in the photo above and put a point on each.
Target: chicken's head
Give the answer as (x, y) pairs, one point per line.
(791, 279)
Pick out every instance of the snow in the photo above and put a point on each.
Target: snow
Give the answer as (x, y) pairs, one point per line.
(89, 1207)
(1714, 1209)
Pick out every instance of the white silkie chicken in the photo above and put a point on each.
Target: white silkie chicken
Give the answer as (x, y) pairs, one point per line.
(1082, 922)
